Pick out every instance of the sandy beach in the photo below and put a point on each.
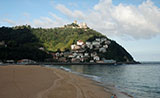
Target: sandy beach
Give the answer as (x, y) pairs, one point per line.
(41, 82)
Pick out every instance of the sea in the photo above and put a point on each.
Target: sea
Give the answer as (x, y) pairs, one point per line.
(137, 80)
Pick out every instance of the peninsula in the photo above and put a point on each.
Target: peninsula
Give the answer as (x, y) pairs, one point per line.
(71, 43)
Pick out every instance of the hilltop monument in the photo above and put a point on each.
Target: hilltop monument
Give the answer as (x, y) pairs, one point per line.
(81, 25)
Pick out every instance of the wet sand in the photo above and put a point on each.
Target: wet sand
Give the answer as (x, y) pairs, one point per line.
(18, 81)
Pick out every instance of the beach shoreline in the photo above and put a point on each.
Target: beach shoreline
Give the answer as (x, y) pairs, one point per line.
(30, 79)
(109, 88)
(41, 82)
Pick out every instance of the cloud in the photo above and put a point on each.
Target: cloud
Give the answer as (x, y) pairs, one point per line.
(138, 22)
(71, 14)
(14, 23)
(134, 21)
(26, 15)
(24, 19)
(11, 22)
(47, 22)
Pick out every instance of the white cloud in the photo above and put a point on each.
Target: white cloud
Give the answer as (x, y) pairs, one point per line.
(72, 14)
(27, 15)
(47, 22)
(139, 22)
(11, 22)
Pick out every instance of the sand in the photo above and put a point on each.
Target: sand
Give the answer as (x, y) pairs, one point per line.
(17, 81)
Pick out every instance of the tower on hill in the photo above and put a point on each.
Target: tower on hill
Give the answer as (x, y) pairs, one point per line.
(75, 22)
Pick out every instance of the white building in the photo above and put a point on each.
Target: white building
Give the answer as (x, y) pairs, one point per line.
(41, 48)
(75, 54)
(83, 25)
(97, 58)
(98, 39)
(86, 54)
(75, 22)
(105, 46)
(80, 42)
(75, 47)
(95, 43)
(91, 47)
(107, 42)
(102, 49)
(103, 39)
(88, 43)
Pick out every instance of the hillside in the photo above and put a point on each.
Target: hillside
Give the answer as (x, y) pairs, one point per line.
(23, 42)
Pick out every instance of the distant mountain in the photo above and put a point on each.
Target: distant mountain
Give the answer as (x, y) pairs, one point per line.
(25, 42)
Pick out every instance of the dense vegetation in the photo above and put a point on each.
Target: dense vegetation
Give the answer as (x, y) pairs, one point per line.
(24, 42)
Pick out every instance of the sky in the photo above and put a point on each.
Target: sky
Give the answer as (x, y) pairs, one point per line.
(134, 24)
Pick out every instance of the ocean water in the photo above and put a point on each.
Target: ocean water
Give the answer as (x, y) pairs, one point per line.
(138, 80)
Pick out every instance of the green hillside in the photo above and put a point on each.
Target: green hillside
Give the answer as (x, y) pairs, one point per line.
(24, 42)
(61, 38)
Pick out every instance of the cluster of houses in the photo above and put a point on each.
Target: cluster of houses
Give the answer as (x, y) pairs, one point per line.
(81, 51)
(85, 52)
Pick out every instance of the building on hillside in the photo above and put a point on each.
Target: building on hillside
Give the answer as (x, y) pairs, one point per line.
(91, 47)
(95, 43)
(88, 43)
(71, 56)
(105, 46)
(80, 42)
(86, 54)
(57, 54)
(41, 48)
(103, 39)
(75, 22)
(75, 54)
(97, 58)
(76, 25)
(83, 25)
(98, 39)
(103, 50)
(93, 54)
(73, 46)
